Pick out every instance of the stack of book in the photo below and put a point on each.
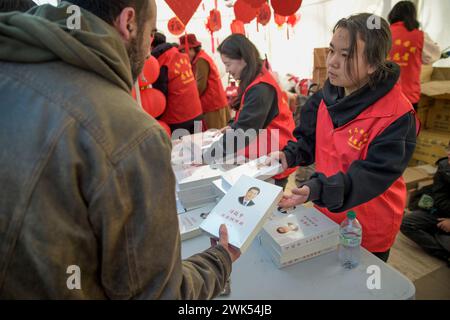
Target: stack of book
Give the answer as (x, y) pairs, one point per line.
(189, 222)
(300, 235)
(244, 210)
(255, 169)
(189, 149)
(194, 184)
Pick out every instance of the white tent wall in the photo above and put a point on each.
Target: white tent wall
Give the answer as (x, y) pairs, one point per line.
(295, 55)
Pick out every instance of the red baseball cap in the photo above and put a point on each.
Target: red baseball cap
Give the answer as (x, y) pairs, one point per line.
(191, 41)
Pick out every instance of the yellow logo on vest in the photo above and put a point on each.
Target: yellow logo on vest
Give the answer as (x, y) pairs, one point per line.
(358, 138)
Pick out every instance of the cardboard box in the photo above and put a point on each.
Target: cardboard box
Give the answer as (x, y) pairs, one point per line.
(438, 117)
(431, 146)
(413, 176)
(439, 86)
(427, 72)
(320, 75)
(320, 57)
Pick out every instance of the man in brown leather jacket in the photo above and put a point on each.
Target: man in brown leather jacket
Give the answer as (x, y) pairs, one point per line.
(87, 208)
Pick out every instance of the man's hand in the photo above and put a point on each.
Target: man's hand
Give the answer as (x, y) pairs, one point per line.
(223, 241)
(277, 157)
(299, 196)
(444, 224)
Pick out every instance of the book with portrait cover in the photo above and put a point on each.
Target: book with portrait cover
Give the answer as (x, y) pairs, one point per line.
(244, 210)
(299, 228)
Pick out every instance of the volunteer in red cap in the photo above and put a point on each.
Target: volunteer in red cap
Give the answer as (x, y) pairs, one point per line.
(212, 94)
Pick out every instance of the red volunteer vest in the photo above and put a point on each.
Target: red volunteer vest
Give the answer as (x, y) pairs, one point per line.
(214, 97)
(407, 48)
(284, 123)
(337, 149)
(183, 102)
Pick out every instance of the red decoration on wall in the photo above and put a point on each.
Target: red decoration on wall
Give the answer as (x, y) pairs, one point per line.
(214, 22)
(237, 27)
(286, 7)
(244, 12)
(175, 26)
(184, 9)
(264, 14)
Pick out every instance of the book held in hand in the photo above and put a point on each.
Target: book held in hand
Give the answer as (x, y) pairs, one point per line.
(244, 210)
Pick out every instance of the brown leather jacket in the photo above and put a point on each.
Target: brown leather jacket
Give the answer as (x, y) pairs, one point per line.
(86, 181)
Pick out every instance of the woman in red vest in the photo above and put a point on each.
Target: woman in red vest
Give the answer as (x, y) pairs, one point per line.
(360, 130)
(411, 48)
(212, 94)
(260, 104)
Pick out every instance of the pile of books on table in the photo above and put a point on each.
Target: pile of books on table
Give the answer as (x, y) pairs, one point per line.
(298, 235)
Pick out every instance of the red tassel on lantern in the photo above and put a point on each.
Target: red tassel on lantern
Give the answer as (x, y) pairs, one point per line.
(237, 27)
(280, 20)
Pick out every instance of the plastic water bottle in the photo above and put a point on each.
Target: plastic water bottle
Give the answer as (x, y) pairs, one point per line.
(350, 235)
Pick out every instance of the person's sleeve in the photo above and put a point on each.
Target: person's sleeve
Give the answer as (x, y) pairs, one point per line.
(431, 51)
(441, 192)
(202, 75)
(388, 157)
(302, 151)
(162, 83)
(135, 222)
(260, 108)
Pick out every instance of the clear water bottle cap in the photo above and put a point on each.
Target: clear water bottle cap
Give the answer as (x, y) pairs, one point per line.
(351, 215)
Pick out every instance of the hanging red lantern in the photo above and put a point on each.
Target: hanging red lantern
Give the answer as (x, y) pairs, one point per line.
(175, 26)
(244, 12)
(166, 127)
(280, 20)
(184, 9)
(256, 3)
(153, 102)
(150, 73)
(264, 14)
(292, 20)
(214, 22)
(286, 8)
(237, 27)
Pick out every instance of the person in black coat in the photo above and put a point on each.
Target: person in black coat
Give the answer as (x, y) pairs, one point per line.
(429, 223)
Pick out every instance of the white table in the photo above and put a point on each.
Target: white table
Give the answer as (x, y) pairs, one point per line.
(255, 277)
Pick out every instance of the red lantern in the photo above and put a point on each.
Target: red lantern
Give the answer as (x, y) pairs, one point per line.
(244, 12)
(256, 3)
(153, 102)
(184, 9)
(166, 127)
(292, 20)
(214, 22)
(237, 27)
(280, 20)
(175, 26)
(264, 14)
(150, 73)
(286, 7)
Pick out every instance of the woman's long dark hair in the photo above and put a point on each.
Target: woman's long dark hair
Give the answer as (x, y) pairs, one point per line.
(405, 11)
(238, 47)
(378, 44)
